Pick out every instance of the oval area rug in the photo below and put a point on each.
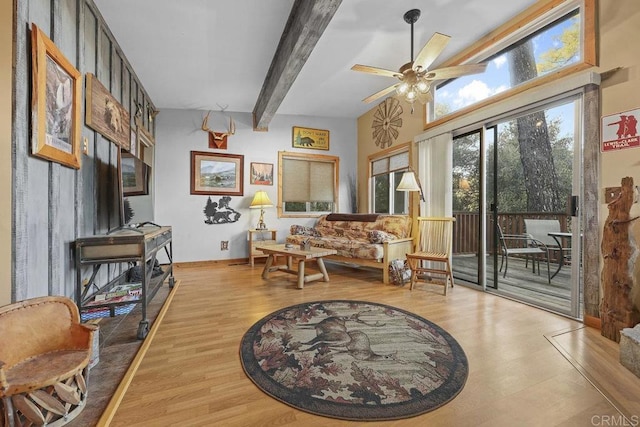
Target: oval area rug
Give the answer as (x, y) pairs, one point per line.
(354, 360)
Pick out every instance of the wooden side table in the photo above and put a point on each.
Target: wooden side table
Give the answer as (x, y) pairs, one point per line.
(260, 237)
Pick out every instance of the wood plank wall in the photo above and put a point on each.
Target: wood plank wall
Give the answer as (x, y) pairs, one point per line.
(53, 204)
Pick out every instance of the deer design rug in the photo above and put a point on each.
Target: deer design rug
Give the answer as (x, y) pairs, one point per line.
(354, 360)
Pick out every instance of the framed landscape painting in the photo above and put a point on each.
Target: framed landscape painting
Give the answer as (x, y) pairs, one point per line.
(56, 100)
(261, 173)
(217, 174)
(135, 175)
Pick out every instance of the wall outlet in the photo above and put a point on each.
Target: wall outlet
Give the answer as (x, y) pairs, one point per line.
(224, 245)
(85, 145)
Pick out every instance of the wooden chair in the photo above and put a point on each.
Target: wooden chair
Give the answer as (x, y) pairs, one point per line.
(44, 353)
(435, 235)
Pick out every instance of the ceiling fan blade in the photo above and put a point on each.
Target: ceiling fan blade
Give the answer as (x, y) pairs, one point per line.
(455, 71)
(376, 70)
(381, 93)
(431, 50)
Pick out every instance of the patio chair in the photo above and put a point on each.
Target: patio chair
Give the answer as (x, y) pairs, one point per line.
(522, 245)
(539, 229)
(435, 235)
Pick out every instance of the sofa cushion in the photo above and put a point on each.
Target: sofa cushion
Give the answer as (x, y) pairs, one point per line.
(302, 230)
(379, 236)
(345, 247)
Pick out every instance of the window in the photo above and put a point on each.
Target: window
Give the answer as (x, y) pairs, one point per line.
(309, 184)
(545, 43)
(386, 173)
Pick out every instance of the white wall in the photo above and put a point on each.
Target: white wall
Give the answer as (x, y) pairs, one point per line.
(178, 133)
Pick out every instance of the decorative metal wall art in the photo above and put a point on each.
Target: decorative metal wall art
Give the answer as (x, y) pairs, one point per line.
(220, 212)
(387, 122)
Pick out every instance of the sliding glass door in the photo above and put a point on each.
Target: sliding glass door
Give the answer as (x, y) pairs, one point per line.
(516, 195)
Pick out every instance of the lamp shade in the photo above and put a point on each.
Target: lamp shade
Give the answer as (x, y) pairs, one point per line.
(261, 200)
(408, 182)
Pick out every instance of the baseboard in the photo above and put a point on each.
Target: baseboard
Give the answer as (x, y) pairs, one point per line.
(210, 263)
(593, 322)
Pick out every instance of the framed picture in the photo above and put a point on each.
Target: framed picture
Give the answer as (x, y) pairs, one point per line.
(56, 100)
(261, 173)
(217, 174)
(105, 114)
(135, 175)
(133, 145)
(316, 139)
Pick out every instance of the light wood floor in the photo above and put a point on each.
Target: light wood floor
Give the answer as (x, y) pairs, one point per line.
(519, 356)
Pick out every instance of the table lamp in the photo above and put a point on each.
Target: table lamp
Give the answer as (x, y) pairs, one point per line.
(261, 201)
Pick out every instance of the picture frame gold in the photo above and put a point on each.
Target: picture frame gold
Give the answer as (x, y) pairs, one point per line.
(217, 173)
(55, 103)
(105, 114)
(134, 174)
(314, 139)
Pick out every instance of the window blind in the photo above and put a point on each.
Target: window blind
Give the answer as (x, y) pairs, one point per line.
(307, 181)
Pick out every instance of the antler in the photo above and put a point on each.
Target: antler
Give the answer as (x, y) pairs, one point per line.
(219, 135)
(205, 127)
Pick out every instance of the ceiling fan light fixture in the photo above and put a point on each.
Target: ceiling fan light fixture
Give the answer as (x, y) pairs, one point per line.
(402, 88)
(423, 86)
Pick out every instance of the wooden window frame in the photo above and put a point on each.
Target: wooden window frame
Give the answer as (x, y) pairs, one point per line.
(408, 147)
(513, 31)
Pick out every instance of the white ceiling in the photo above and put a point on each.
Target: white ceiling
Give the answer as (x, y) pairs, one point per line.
(202, 54)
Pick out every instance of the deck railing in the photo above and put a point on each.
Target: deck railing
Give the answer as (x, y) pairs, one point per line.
(466, 232)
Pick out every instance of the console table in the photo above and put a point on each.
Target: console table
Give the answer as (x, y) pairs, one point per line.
(133, 245)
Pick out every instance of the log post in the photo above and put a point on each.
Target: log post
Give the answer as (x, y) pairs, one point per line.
(617, 310)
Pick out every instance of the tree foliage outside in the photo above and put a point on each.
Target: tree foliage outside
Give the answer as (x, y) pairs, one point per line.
(511, 181)
(534, 162)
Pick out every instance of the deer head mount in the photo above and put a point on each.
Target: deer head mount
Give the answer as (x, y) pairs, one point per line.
(218, 139)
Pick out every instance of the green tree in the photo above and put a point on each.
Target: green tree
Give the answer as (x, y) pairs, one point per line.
(539, 172)
(568, 49)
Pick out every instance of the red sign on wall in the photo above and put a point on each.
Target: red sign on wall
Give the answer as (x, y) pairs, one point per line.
(620, 131)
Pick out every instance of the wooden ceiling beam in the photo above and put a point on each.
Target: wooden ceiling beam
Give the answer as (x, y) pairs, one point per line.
(307, 21)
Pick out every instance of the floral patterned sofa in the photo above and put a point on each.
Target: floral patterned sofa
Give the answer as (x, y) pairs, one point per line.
(365, 239)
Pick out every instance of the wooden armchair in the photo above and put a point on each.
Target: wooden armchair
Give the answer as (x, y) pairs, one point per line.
(43, 361)
(435, 236)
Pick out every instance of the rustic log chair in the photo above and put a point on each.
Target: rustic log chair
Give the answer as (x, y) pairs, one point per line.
(43, 362)
(434, 244)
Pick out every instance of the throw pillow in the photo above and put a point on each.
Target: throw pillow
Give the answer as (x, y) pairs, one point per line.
(379, 236)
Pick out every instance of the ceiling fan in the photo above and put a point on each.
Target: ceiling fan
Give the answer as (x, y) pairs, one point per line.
(415, 77)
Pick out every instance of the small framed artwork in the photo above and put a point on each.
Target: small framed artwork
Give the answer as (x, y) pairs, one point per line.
(135, 175)
(105, 114)
(316, 139)
(56, 99)
(217, 173)
(261, 173)
(134, 142)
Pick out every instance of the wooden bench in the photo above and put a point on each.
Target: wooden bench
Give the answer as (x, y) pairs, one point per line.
(44, 355)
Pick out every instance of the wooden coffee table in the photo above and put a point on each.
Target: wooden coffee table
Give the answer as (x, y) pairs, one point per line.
(300, 256)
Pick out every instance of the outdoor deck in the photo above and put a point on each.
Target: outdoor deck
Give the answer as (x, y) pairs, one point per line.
(521, 282)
